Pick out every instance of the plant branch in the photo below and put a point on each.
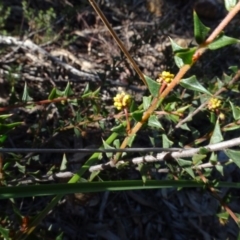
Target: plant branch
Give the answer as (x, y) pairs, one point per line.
(176, 154)
(182, 71)
(235, 78)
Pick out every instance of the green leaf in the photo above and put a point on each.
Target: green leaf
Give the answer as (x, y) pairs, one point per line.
(93, 175)
(197, 158)
(217, 135)
(186, 56)
(21, 168)
(64, 162)
(121, 128)
(183, 109)
(77, 132)
(153, 122)
(175, 47)
(137, 115)
(203, 151)
(231, 127)
(234, 69)
(123, 185)
(131, 140)
(190, 172)
(53, 94)
(4, 128)
(222, 41)
(184, 163)
(59, 237)
(86, 89)
(234, 155)
(107, 146)
(153, 86)
(179, 62)
(68, 91)
(147, 102)
(3, 138)
(192, 83)
(236, 111)
(220, 169)
(185, 127)
(200, 30)
(223, 215)
(116, 143)
(5, 116)
(143, 169)
(4, 233)
(230, 4)
(96, 92)
(26, 97)
(166, 142)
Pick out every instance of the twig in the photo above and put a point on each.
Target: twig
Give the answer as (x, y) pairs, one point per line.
(53, 177)
(29, 45)
(162, 156)
(235, 78)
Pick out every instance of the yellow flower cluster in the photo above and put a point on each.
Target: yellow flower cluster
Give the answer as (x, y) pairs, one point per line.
(214, 104)
(122, 100)
(166, 77)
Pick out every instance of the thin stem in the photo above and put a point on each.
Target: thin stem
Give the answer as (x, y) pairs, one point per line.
(223, 24)
(120, 44)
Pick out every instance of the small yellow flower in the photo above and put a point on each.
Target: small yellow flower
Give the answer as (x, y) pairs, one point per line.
(122, 100)
(166, 77)
(214, 104)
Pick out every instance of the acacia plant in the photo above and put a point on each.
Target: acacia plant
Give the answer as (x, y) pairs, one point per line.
(171, 106)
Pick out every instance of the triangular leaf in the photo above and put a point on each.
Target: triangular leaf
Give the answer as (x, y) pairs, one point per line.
(153, 86)
(146, 102)
(220, 169)
(53, 94)
(179, 62)
(107, 146)
(86, 89)
(68, 91)
(193, 84)
(197, 158)
(166, 142)
(137, 115)
(184, 163)
(93, 175)
(229, 4)
(235, 111)
(154, 122)
(175, 47)
(234, 69)
(64, 163)
(187, 55)
(190, 172)
(116, 143)
(222, 41)
(234, 155)
(26, 97)
(200, 30)
(217, 135)
(143, 168)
